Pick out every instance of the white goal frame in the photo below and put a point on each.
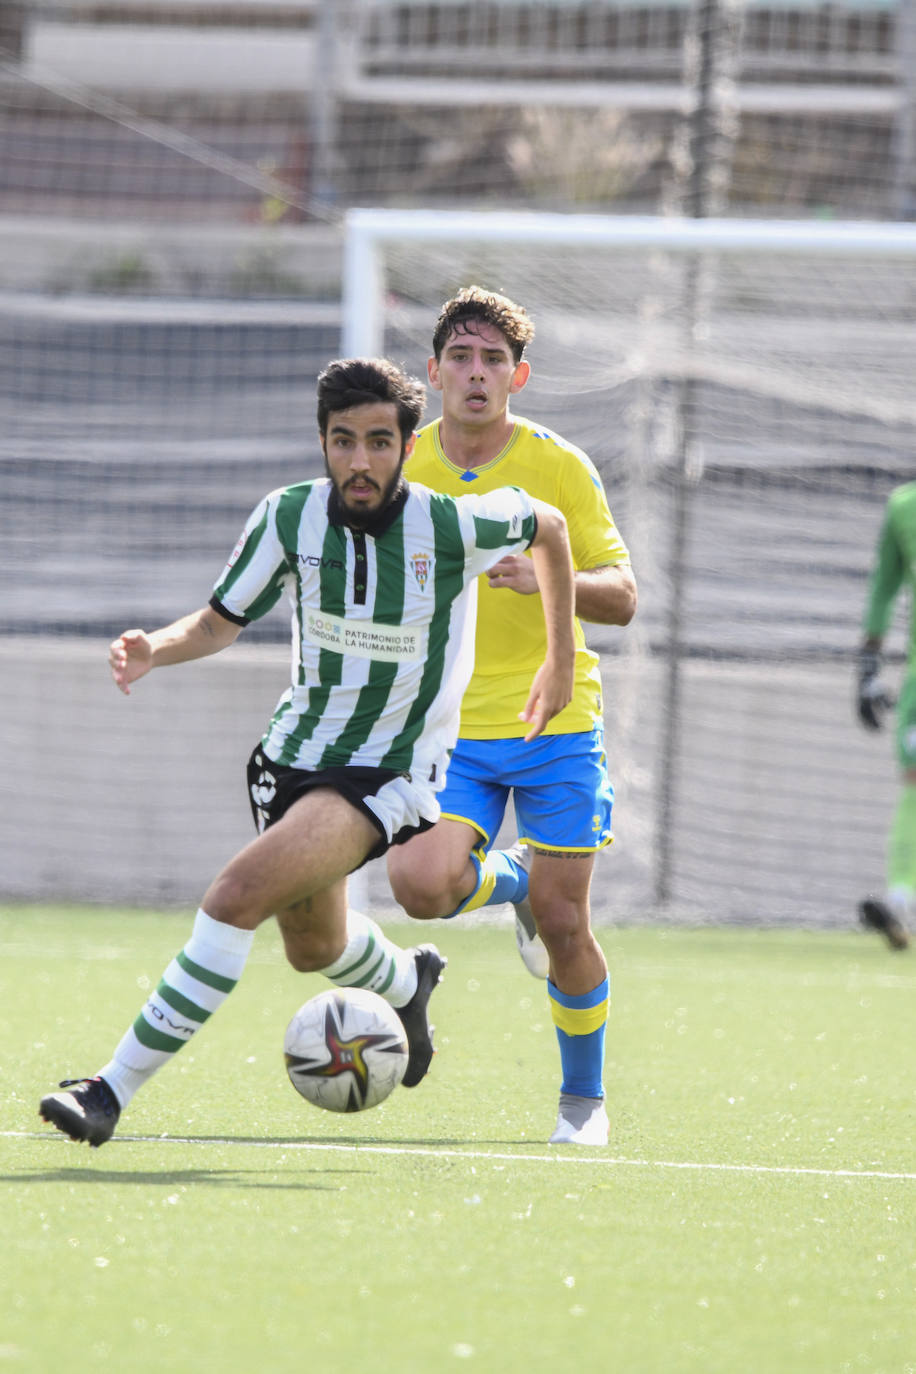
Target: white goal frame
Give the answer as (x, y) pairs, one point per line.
(366, 231)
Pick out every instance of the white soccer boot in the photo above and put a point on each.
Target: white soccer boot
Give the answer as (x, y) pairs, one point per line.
(530, 945)
(581, 1121)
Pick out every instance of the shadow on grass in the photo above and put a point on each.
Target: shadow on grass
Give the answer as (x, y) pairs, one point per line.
(309, 1142)
(220, 1178)
(293, 1142)
(344, 1142)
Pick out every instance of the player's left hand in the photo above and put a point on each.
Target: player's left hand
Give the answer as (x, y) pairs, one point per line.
(874, 700)
(515, 573)
(551, 691)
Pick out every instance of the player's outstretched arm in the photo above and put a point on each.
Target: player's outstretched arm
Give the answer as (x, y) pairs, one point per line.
(134, 653)
(552, 688)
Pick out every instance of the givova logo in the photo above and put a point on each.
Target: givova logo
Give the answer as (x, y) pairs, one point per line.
(316, 560)
(263, 790)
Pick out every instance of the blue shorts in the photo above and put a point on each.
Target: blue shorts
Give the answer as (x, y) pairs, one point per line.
(561, 789)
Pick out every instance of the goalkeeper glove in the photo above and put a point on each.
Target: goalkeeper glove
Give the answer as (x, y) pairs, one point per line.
(874, 699)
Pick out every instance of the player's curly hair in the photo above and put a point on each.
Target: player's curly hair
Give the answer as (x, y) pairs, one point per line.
(475, 305)
(349, 382)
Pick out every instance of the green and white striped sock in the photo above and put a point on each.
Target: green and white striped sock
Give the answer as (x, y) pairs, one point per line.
(370, 960)
(193, 987)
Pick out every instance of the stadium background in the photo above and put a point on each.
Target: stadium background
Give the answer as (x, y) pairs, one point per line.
(174, 180)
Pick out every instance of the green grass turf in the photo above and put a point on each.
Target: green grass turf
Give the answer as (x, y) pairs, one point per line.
(754, 1211)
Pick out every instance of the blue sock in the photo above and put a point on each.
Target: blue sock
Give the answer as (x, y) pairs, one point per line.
(581, 1024)
(510, 879)
(499, 879)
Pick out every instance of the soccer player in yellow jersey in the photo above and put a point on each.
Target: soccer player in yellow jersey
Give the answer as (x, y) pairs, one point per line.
(559, 783)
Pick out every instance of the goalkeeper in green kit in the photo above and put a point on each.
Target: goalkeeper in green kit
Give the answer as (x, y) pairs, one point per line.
(893, 913)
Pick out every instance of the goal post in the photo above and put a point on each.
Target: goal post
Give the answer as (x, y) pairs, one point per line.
(745, 390)
(368, 231)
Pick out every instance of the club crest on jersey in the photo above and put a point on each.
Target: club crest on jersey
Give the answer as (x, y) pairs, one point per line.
(420, 564)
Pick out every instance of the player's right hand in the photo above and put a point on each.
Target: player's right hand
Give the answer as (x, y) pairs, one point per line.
(874, 700)
(130, 656)
(551, 692)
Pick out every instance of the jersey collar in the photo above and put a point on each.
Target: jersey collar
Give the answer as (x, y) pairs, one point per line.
(469, 474)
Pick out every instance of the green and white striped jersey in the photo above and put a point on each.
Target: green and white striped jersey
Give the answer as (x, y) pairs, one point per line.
(383, 623)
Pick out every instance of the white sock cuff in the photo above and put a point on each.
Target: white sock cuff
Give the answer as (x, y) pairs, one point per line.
(219, 947)
(359, 927)
(123, 1081)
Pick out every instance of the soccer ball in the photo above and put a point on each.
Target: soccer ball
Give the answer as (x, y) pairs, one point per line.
(345, 1050)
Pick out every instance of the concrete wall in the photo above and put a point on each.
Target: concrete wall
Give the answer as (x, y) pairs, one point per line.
(782, 802)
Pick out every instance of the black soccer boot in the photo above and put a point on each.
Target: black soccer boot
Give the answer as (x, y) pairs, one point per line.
(89, 1111)
(414, 1019)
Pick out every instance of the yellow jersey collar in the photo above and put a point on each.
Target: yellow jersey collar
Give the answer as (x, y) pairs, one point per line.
(482, 467)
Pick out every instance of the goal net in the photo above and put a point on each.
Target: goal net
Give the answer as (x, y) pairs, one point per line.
(746, 391)
(135, 437)
(173, 183)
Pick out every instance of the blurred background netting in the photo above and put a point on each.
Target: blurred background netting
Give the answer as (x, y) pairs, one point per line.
(174, 181)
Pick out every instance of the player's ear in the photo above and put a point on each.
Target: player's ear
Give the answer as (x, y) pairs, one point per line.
(432, 371)
(520, 376)
(409, 444)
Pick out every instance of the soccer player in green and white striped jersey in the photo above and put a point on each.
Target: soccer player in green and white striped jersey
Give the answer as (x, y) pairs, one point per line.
(381, 581)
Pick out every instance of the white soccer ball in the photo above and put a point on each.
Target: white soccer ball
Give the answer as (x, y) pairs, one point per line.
(345, 1050)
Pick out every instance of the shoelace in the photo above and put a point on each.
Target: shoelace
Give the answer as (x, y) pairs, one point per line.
(108, 1102)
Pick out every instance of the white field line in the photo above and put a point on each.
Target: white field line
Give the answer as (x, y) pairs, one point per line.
(490, 1156)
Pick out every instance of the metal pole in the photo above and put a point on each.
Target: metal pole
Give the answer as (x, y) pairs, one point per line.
(711, 53)
(905, 127)
(324, 103)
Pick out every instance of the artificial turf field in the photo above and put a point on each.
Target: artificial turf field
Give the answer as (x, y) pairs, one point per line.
(755, 1209)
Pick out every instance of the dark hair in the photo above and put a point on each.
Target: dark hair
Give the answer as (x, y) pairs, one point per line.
(350, 382)
(473, 305)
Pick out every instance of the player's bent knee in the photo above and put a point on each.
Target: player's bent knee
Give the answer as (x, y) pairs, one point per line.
(422, 900)
(421, 904)
(234, 902)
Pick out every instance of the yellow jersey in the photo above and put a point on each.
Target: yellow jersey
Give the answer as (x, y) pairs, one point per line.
(511, 639)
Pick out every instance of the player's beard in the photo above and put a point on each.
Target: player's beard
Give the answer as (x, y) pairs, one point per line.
(360, 519)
